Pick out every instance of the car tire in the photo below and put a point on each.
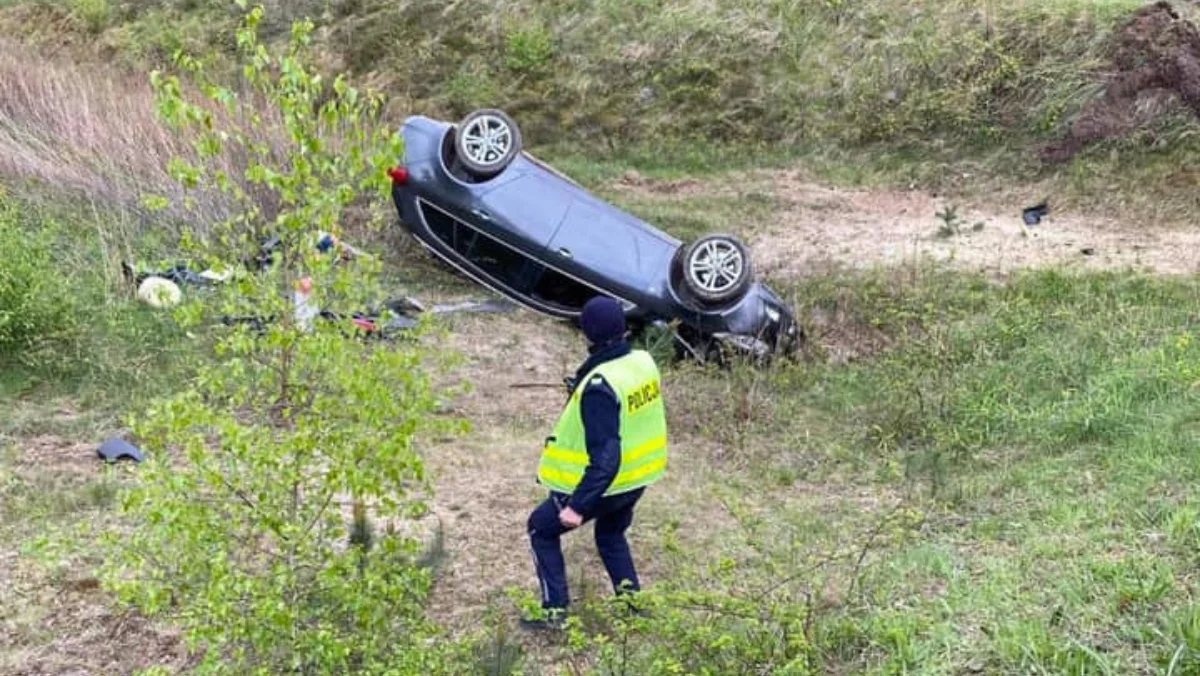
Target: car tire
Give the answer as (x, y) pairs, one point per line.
(727, 263)
(485, 157)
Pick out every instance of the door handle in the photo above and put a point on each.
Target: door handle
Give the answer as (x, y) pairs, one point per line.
(565, 253)
(481, 214)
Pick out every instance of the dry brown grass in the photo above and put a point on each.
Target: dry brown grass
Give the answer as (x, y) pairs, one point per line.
(82, 131)
(95, 134)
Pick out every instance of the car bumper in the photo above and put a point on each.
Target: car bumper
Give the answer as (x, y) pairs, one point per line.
(760, 325)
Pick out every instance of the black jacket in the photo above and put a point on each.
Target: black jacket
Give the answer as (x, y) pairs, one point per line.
(601, 413)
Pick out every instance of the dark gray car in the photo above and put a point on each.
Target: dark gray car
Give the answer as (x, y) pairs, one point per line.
(472, 196)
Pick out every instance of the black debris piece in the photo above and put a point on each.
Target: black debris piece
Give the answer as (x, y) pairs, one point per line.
(1034, 215)
(116, 449)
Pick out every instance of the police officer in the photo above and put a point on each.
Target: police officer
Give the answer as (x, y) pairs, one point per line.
(609, 444)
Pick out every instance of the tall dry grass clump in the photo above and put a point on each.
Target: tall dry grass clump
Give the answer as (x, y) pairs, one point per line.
(96, 135)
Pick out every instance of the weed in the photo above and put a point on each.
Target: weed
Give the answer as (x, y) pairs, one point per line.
(951, 223)
(94, 14)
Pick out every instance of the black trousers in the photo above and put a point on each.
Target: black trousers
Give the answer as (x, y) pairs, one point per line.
(613, 515)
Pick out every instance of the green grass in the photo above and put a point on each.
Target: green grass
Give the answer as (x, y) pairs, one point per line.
(954, 97)
(1044, 431)
(107, 351)
(1038, 437)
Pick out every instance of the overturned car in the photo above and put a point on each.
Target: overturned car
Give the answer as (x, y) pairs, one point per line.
(472, 196)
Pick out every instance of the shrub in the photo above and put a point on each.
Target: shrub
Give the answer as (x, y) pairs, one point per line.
(695, 631)
(37, 311)
(94, 14)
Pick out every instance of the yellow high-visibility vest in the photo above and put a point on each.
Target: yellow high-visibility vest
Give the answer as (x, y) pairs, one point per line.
(636, 380)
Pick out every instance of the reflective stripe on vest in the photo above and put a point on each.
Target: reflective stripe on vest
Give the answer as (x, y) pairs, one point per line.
(636, 381)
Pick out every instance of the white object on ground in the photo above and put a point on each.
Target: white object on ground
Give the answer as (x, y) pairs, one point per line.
(159, 292)
(216, 276)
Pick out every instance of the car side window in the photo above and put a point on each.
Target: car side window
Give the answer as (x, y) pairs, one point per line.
(497, 260)
(558, 289)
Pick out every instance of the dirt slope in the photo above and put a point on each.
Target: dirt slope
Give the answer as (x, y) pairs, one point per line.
(1155, 60)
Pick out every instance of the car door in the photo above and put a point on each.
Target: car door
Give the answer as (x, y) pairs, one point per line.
(609, 248)
(524, 212)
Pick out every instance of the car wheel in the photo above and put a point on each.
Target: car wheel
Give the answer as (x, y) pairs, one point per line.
(717, 268)
(486, 142)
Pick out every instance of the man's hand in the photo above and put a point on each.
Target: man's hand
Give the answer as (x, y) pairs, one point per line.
(570, 518)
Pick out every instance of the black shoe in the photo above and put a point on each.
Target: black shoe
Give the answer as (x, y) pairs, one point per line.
(551, 619)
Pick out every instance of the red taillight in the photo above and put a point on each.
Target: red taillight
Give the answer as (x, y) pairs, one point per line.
(399, 175)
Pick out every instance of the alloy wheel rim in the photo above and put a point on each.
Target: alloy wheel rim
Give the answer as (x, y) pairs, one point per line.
(487, 140)
(716, 266)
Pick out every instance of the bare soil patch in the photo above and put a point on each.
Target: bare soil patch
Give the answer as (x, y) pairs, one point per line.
(682, 186)
(72, 628)
(1156, 60)
(863, 228)
(61, 622)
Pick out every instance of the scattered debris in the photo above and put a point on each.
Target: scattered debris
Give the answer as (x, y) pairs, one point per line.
(395, 315)
(305, 310)
(159, 292)
(116, 448)
(1034, 214)
(179, 274)
(406, 305)
(327, 241)
(1088, 251)
(370, 323)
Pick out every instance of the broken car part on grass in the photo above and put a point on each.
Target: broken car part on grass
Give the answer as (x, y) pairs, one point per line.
(161, 288)
(472, 196)
(387, 322)
(116, 449)
(1033, 215)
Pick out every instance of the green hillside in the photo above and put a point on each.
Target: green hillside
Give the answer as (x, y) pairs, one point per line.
(991, 74)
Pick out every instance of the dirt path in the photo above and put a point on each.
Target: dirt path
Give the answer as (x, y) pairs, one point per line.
(485, 480)
(863, 228)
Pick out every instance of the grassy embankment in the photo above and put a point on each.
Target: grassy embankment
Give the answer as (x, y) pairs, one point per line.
(999, 484)
(888, 91)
